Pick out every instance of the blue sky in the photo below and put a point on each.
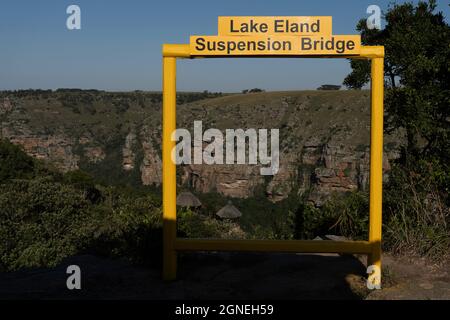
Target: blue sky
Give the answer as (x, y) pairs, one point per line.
(119, 45)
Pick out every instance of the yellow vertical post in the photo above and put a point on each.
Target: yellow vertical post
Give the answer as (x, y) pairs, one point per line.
(376, 165)
(169, 169)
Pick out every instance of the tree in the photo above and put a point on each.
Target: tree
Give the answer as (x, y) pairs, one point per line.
(417, 70)
(416, 41)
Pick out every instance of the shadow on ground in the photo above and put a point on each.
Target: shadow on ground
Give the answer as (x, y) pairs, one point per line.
(200, 276)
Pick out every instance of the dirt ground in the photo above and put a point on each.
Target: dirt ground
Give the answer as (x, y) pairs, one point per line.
(233, 276)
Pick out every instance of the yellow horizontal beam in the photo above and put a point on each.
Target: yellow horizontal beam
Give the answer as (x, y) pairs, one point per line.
(300, 246)
(183, 51)
(372, 52)
(176, 50)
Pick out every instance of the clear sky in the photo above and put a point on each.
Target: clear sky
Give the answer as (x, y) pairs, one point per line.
(119, 45)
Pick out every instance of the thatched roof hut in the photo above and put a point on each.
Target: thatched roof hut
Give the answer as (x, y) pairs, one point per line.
(229, 212)
(187, 199)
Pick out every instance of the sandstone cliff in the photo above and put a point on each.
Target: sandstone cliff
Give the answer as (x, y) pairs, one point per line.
(324, 138)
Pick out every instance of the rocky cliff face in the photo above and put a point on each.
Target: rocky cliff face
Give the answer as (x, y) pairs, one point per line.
(56, 147)
(324, 139)
(324, 144)
(151, 165)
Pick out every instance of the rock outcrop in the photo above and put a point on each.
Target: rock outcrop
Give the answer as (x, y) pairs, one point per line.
(324, 140)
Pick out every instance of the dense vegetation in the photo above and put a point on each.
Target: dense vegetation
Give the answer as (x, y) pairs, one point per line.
(46, 216)
(72, 97)
(254, 90)
(417, 72)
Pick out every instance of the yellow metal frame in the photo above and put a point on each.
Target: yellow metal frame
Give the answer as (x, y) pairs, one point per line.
(172, 244)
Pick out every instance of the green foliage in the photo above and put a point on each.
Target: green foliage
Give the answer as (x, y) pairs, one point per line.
(343, 214)
(127, 226)
(14, 162)
(41, 222)
(187, 97)
(293, 218)
(254, 90)
(36, 93)
(351, 214)
(83, 181)
(311, 222)
(329, 87)
(416, 215)
(416, 201)
(191, 224)
(261, 218)
(417, 66)
(109, 171)
(79, 178)
(46, 217)
(359, 76)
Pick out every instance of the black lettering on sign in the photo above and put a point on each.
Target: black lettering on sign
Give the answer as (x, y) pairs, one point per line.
(339, 46)
(278, 25)
(315, 26)
(306, 44)
(287, 26)
(250, 27)
(200, 44)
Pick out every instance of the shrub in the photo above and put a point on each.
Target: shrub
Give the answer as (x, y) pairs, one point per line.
(14, 162)
(192, 225)
(343, 214)
(351, 214)
(41, 222)
(126, 226)
(83, 181)
(416, 216)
